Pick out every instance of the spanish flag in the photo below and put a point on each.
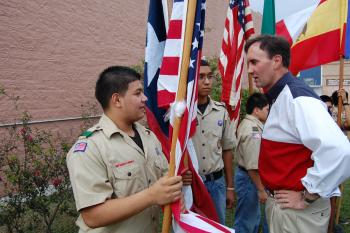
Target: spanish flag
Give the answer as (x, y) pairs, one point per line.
(325, 38)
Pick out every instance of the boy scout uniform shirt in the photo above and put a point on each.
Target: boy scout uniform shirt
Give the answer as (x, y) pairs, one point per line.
(213, 135)
(107, 164)
(248, 142)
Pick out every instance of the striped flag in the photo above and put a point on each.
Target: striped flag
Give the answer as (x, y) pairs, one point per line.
(326, 26)
(292, 26)
(155, 43)
(268, 25)
(161, 84)
(238, 28)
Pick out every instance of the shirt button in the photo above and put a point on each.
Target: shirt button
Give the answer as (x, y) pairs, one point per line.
(203, 157)
(203, 170)
(154, 218)
(203, 144)
(129, 173)
(149, 181)
(202, 131)
(202, 118)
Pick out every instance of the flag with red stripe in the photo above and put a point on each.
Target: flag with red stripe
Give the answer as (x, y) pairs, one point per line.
(166, 77)
(238, 28)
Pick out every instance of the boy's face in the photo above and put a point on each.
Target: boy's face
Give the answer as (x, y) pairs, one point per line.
(263, 113)
(205, 81)
(133, 102)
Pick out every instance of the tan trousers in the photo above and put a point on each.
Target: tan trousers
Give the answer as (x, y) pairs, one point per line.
(313, 219)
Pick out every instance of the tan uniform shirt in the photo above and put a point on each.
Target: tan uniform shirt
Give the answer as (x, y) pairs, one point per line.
(248, 142)
(213, 135)
(109, 164)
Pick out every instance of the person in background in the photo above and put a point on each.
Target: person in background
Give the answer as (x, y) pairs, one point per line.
(213, 142)
(345, 116)
(298, 138)
(329, 103)
(249, 189)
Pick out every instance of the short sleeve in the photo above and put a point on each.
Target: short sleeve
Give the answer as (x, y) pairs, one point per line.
(229, 138)
(250, 147)
(88, 175)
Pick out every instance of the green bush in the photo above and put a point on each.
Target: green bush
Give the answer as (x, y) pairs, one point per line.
(34, 177)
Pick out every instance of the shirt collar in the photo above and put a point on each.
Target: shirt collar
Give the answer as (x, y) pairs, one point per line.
(255, 120)
(276, 89)
(210, 106)
(108, 126)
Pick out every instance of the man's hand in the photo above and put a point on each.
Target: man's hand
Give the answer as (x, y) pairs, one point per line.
(290, 199)
(166, 190)
(187, 178)
(230, 199)
(342, 94)
(262, 195)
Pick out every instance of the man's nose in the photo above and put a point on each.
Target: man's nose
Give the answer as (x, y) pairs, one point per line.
(249, 69)
(144, 97)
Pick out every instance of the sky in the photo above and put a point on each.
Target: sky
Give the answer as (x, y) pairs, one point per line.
(283, 8)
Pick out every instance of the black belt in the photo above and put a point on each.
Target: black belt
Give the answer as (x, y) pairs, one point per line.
(242, 168)
(214, 175)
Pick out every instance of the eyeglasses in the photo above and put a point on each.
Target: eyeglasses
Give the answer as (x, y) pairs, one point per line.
(209, 77)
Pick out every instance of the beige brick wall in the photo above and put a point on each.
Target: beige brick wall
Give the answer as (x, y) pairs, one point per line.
(52, 51)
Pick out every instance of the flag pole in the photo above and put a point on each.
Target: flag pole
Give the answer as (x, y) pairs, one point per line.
(340, 110)
(343, 10)
(180, 97)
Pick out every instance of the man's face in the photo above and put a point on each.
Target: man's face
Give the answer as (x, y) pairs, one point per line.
(205, 81)
(260, 67)
(133, 102)
(263, 113)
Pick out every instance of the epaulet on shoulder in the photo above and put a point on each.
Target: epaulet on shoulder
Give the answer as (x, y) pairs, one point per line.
(220, 104)
(88, 133)
(144, 127)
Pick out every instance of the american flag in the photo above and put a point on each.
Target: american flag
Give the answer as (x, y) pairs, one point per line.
(169, 77)
(161, 86)
(238, 28)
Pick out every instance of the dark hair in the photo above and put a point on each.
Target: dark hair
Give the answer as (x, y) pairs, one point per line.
(326, 98)
(256, 100)
(114, 79)
(204, 63)
(273, 45)
(335, 97)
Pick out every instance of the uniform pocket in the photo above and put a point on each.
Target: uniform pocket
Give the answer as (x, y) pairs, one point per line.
(127, 180)
(215, 140)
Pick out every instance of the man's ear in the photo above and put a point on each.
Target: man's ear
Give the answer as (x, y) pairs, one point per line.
(115, 100)
(277, 61)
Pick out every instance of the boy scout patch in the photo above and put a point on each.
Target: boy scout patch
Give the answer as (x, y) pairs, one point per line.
(220, 122)
(81, 146)
(157, 151)
(256, 134)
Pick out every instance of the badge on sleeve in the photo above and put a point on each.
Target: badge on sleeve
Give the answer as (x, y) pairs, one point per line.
(80, 147)
(157, 151)
(220, 122)
(256, 134)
